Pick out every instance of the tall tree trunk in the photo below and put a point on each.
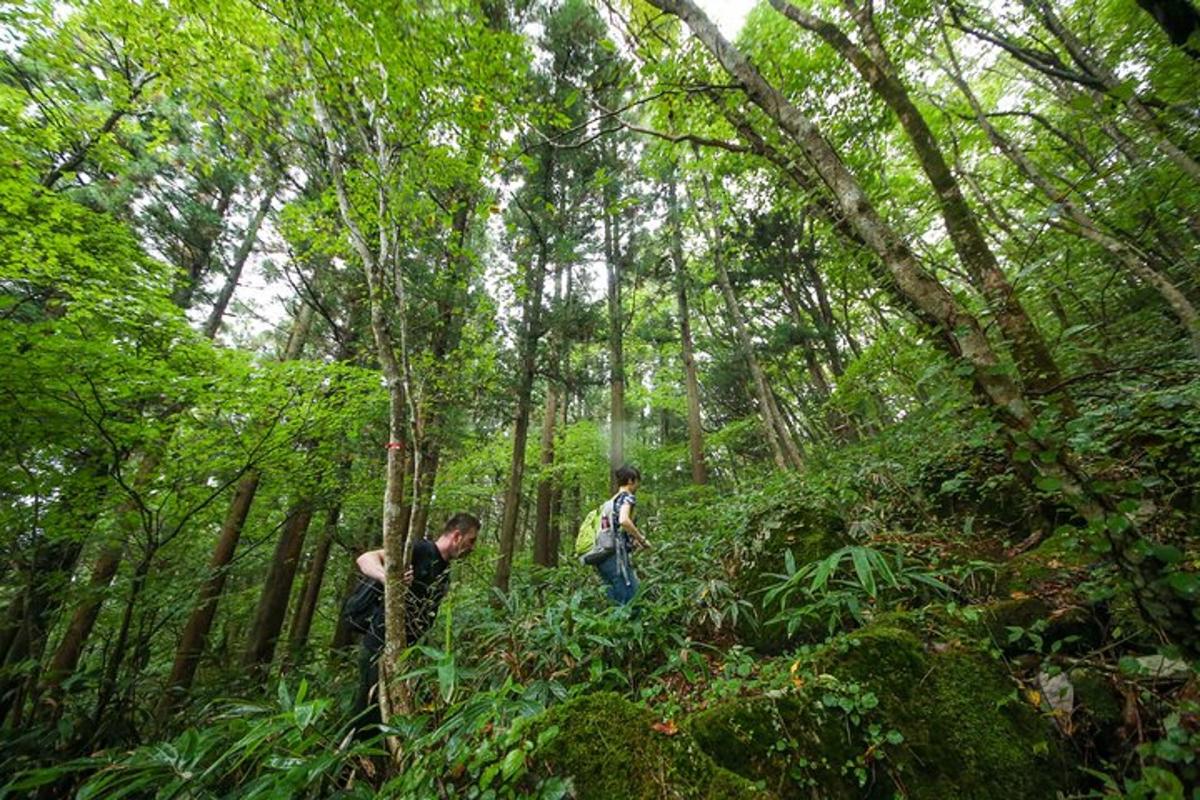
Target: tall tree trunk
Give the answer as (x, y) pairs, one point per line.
(249, 239)
(310, 589)
(545, 490)
(691, 382)
(1036, 364)
(530, 333)
(783, 446)
(277, 589)
(827, 325)
(616, 343)
(377, 266)
(545, 551)
(195, 631)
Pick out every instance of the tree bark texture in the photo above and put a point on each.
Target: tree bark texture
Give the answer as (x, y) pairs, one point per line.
(277, 588)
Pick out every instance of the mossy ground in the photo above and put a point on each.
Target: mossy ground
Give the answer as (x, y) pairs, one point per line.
(610, 749)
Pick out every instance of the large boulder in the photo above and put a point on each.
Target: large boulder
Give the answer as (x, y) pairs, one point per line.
(948, 722)
(793, 523)
(611, 748)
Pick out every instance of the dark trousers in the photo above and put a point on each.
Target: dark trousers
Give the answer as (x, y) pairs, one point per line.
(366, 704)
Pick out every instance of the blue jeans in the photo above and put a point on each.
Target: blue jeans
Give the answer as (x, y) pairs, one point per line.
(619, 591)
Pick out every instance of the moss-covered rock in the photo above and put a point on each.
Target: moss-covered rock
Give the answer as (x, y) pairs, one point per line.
(610, 749)
(806, 529)
(962, 729)
(785, 742)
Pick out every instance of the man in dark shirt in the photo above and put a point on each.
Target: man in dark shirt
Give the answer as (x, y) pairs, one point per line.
(428, 580)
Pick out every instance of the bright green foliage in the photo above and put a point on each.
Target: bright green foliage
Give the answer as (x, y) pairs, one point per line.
(280, 748)
(878, 621)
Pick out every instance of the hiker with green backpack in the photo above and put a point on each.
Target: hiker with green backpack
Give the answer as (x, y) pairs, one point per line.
(608, 535)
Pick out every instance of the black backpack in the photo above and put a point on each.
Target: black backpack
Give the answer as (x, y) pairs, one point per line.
(360, 607)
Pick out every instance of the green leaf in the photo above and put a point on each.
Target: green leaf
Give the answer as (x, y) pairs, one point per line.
(513, 762)
(1048, 483)
(862, 568)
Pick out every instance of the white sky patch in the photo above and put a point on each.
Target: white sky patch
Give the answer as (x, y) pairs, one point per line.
(728, 15)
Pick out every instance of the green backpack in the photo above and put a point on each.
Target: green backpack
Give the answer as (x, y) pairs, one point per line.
(595, 542)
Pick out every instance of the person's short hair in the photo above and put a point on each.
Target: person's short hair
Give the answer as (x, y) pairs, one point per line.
(462, 522)
(626, 474)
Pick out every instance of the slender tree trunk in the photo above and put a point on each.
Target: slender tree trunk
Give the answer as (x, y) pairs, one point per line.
(544, 549)
(310, 589)
(783, 447)
(616, 351)
(545, 491)
(827, 325)
(424, 495)
(691, 382)
(555, 537)
(376, 266)
(108, 682)
(530, 332)
(249, 239)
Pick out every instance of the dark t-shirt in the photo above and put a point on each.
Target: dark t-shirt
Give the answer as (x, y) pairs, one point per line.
(431, 581)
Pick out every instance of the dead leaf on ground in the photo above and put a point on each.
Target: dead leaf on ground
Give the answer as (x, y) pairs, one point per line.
(668, 728)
